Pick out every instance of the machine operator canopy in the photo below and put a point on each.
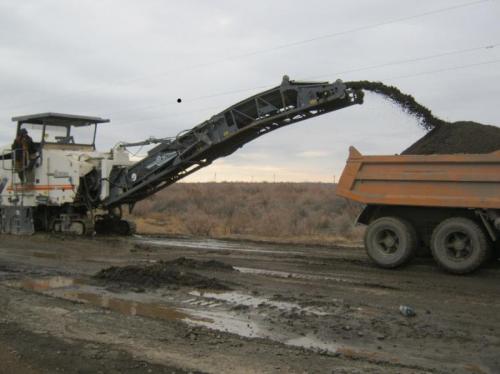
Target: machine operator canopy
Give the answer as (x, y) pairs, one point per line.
(60, 130)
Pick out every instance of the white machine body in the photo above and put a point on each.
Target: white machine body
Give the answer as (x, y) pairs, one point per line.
(55, 173)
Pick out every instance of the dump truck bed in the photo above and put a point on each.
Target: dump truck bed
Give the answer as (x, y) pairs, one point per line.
(458, 181)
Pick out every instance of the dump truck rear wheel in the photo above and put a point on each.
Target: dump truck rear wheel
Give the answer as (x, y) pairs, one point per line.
(390, 241)
(459, 245)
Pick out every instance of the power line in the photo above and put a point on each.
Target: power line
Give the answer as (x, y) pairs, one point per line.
(323, 37)
(446, 69)
(286, 45)
(430, 72)
(363, 28)
(391, 63)
(410, 60)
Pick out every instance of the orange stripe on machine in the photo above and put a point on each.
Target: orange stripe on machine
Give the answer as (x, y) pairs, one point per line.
(41, 187)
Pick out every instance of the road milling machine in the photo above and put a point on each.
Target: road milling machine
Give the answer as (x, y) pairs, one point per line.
(66, 185)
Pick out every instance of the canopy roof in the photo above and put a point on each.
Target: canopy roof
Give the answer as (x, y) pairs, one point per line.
(58, 119)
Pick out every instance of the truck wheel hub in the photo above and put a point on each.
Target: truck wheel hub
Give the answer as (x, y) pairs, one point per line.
(389, 241)
(459, 245)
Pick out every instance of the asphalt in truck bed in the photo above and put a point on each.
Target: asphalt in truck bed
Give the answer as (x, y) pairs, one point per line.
(284, 308)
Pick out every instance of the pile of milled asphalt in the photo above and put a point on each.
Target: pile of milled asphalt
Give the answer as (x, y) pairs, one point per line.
(178, 272)
(457, 137)
(443, 137)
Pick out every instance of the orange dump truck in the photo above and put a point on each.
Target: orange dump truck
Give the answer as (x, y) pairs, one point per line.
(449, 203)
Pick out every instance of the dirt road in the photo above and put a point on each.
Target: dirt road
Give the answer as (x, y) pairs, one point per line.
(290, 309)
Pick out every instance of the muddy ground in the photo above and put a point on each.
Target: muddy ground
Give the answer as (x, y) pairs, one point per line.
(290, 309)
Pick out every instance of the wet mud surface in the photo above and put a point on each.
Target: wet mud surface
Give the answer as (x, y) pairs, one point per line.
(293, 309)
(26, 352)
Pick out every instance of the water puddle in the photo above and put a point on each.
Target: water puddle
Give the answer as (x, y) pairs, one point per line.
(378, 288)
(76, 290)
(214, 245)
(43, 284)
(311, 342)
(237, 298)
(213, 310)
(286, 274)
(224, 321)
(131, 307)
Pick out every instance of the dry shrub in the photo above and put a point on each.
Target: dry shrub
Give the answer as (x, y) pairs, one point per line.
(251, 209)
(200, 224)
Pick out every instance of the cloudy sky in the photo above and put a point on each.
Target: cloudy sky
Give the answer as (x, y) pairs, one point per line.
(130, 60)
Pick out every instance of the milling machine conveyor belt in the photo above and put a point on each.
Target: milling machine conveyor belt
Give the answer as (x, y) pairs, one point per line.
(224, 133)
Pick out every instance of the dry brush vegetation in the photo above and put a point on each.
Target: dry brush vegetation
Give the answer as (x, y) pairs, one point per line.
(309, 212)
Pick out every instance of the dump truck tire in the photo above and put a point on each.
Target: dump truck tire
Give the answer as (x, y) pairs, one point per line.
(390, 241)
(459, 245)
